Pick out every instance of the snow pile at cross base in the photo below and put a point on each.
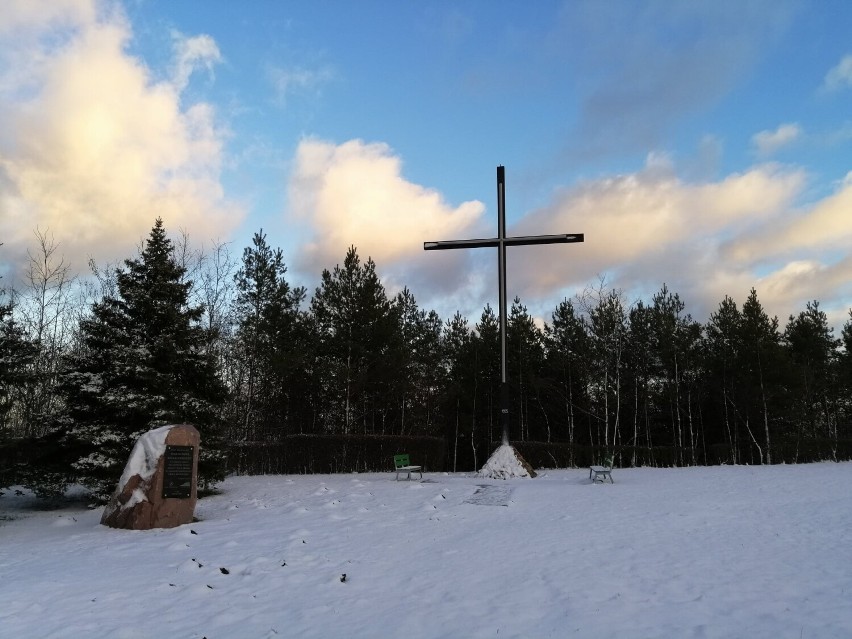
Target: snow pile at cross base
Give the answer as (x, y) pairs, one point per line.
(505, 463)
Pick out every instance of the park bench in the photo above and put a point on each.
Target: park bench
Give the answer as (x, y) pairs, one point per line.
(402, 464)
(603, 472)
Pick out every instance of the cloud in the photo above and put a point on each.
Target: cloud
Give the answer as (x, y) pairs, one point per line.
(639, 68)
(354, 194)
(92, 148)
(705, 239)
(297, 80)
(824, 226)
(191, 54)
(767, 143)
(651, 227)
(20, 15)
(840, 76)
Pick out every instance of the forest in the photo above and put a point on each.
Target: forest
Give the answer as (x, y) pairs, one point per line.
(262, 368)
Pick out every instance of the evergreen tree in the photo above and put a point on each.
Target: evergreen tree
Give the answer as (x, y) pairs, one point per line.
(355, 325)
(722, 365)
(459, 396)
(485, 427)
(268, 344)
(762, 369)
(568, 368)
(16, 356)
(675, 347)
(639, 375)
(416, 355)
(608, 333)
(143, 364)
(814, 382)
(525, 362)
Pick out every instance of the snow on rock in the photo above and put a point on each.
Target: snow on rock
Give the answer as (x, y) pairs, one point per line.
(146, 453)
(505, 463)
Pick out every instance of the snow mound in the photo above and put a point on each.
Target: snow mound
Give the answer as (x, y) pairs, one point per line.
(505, 463)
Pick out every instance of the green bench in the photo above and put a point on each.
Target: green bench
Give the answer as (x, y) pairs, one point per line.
(603, 472)
(402, 464)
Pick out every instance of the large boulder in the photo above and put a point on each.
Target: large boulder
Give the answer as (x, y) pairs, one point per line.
(158, 486)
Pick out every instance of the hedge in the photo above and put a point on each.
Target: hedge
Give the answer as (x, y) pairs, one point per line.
(304, 454)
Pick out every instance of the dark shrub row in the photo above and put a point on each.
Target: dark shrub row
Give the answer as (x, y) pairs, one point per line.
(560, 455)
(304, 454)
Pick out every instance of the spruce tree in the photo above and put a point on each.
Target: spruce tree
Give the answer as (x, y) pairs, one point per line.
(16, 356)
(142, 364)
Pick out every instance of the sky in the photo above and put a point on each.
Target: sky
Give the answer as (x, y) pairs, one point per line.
(701, 145)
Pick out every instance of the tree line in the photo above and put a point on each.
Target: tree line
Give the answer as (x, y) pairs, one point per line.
(175, 334)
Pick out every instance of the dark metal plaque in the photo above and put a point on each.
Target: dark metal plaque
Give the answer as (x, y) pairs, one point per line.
(177, 472)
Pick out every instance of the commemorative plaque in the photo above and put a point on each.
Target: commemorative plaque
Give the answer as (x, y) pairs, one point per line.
(177, 472)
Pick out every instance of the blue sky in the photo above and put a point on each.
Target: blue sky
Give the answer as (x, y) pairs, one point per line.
(705, 145)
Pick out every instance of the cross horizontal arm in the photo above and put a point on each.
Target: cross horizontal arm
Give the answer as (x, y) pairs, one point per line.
(457, 244)
(564, 238)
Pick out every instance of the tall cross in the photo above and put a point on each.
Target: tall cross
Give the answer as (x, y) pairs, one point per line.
(501, 242)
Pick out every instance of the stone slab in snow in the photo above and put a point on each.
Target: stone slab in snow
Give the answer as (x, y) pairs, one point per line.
(138, 502)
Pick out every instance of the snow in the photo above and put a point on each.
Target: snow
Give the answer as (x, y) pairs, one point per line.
(503, 464)
(735, 551)
(145, 454)
(143, 461)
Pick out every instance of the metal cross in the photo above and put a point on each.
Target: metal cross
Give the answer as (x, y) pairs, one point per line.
(501, 242)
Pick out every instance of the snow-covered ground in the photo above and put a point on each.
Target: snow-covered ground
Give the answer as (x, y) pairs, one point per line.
(672, 553)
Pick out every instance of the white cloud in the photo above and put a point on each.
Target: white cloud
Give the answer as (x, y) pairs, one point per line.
(93, 149)
(651, 227)
(191, 54)
(704, 239)
(354, 194)
(767, 143)
(297, 80)
(840, 76)
(20, 15)
(824, 226)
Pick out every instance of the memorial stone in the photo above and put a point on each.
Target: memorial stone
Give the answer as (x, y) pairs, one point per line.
(158, 486)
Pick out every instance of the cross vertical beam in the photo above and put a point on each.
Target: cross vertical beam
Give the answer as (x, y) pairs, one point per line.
(501, 242)
(501, 283)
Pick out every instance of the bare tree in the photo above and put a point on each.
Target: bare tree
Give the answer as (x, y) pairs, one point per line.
(46, 311)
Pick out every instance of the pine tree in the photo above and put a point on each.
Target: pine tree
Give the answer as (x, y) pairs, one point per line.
(459, 393)
(525, 360)
(568, 365)
(723, 375)
(355, 324)
(415, 366)
(267, 342)
(639, 374)
(143, 363)
(760, 352)
(675, 339)
(814, 382)
(607, 333)
(486, 358)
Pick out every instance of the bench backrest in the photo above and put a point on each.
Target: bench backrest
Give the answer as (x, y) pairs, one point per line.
(400, 460)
